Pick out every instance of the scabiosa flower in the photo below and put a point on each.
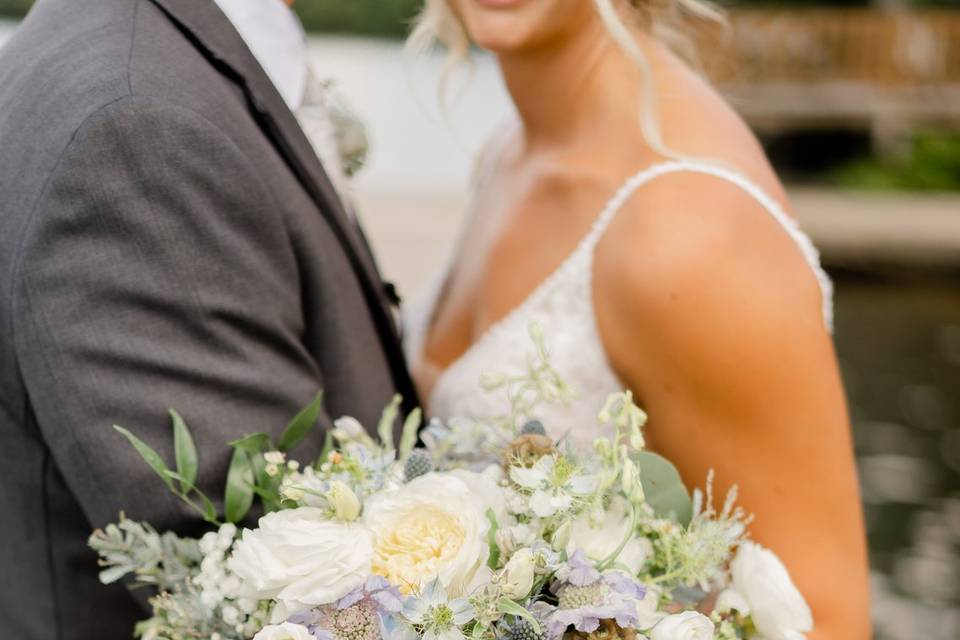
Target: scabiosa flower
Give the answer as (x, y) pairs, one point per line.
(553, 482)
(439, 617)
(359, 615)
(585, 597)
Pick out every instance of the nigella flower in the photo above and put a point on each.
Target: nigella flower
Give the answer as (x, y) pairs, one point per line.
(362, 614)
(554, 481)
(438, 616)
(586, 597)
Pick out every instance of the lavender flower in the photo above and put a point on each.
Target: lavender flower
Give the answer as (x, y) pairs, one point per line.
(585, 597)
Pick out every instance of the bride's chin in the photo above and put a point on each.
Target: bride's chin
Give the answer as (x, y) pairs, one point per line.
(498, 4)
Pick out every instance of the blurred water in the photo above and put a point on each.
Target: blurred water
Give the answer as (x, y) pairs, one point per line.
(898, 339)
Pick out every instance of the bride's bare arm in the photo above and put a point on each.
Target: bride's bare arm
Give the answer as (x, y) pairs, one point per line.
(711, 315)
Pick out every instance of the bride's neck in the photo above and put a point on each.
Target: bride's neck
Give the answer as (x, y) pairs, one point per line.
(579, 86)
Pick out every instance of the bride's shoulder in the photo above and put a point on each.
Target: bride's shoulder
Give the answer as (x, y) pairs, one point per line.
(693, 251)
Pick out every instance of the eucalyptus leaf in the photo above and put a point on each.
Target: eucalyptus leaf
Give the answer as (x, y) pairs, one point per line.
(185, 451)
(112, 574)
(301, 425)
(663, 488)
(253, 443)
(239, 493)
(149, 456)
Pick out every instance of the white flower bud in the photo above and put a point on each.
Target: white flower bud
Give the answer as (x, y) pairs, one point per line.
(230, 615)
(272, 469)
(343, 501)
(274, 457)
(630, 481)
(225, 536)
(561, 537)
(247, 605)
(348, 428)
(602, 446)
(208, 543)
(517, 576)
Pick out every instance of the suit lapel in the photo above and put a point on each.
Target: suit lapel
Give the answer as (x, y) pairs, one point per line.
(211, 32)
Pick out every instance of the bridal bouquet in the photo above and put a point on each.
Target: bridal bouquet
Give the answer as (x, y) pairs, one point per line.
(490, 530)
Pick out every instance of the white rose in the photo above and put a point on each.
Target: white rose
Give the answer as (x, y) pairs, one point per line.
(599, 534)
(487, 486)
(285, 631)
(778, 610)
(688, 625)
(301, 558)
(433, 526)
(517, 576)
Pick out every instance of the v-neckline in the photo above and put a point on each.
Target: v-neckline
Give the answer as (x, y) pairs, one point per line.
(442, 284)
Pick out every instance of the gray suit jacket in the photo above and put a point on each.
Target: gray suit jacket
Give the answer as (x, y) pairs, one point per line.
(167, 239)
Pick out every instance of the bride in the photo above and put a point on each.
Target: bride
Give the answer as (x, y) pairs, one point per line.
(632, 215)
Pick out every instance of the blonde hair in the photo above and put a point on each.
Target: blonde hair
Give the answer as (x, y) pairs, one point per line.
(666, 20)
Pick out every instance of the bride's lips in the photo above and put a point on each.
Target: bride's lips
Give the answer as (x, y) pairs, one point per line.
(497, 4)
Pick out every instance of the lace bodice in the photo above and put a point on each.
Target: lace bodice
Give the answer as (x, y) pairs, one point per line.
(563, 306)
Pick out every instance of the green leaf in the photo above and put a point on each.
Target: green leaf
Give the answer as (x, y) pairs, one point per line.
(509, 607)
(663, 488)
(270, 498)
(387, 420)
(149, 456)
(208, 511)
(239, 494)
(184, 450)
(253, 443)
(327, 448)
(301, 425)
(494, 558)
(408, 437)
(478, 630)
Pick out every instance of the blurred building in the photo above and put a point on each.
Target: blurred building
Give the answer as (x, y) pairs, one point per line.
(882, 71)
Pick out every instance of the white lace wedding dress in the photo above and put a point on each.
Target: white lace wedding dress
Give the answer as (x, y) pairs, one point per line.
(563, 306)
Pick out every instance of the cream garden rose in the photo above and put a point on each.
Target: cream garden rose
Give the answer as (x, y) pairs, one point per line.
(434, 526)
(302, 558)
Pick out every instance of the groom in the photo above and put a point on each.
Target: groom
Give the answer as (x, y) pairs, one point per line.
(168, 238)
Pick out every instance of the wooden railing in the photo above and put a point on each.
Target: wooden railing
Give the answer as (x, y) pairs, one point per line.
(848, 66)
(884, 48)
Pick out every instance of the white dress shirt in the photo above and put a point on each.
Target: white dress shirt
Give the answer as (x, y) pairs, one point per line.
(275, 36)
